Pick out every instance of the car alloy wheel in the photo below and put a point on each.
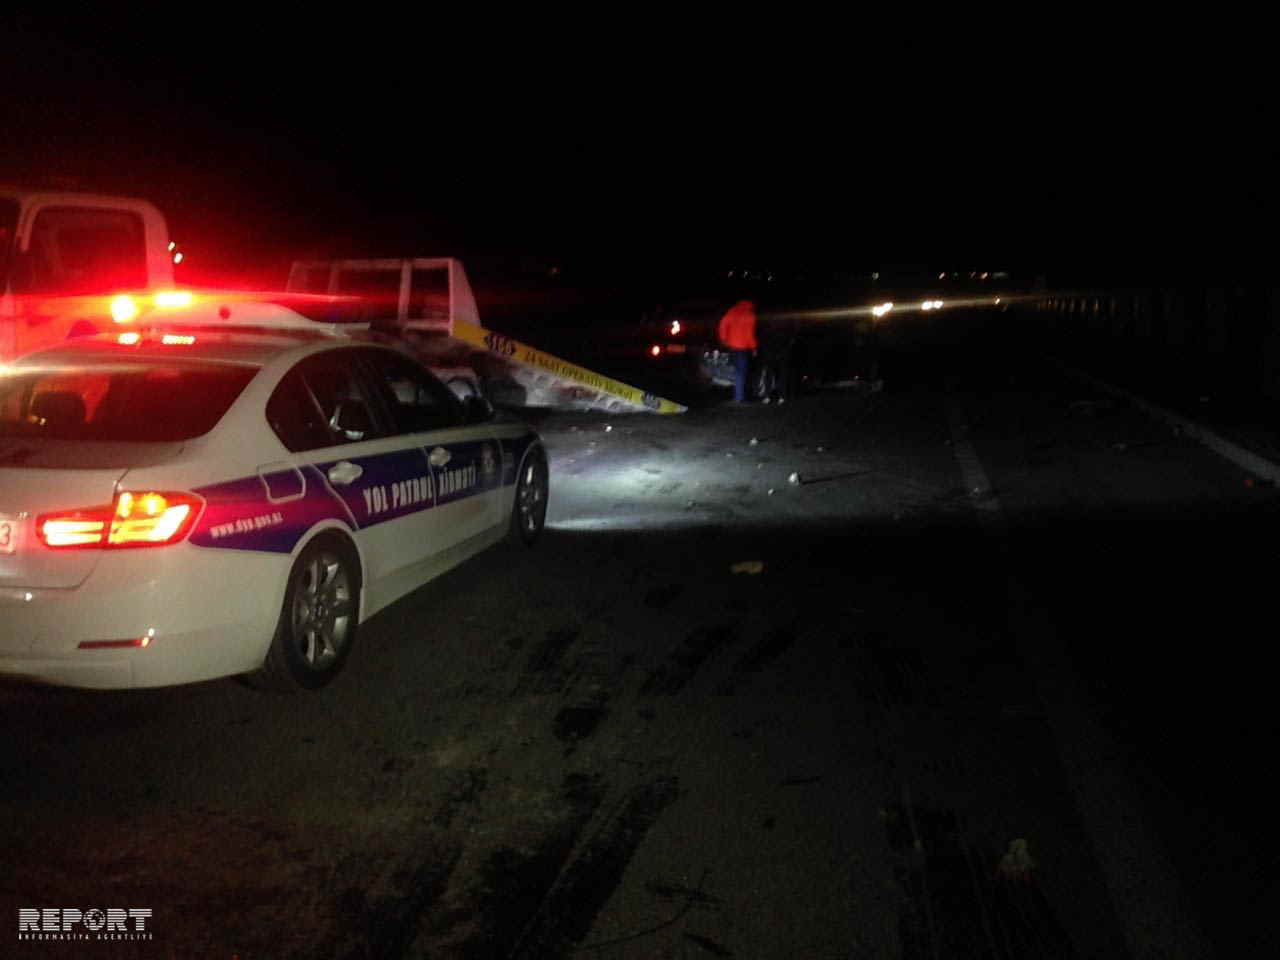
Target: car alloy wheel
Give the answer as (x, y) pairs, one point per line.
(322, 609)
(318, 619)
(530, 511)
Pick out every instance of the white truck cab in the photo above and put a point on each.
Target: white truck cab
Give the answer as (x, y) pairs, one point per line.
(65, 256)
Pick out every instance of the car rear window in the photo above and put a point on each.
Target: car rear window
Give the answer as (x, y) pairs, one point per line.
(125, 403)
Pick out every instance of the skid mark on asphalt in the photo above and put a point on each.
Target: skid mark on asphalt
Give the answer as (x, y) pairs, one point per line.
(587, 684)
(389, 924)
(569, 910)
(759, 655)
(955, 904)
(542, 672)
(886, 674)
(463, 793)
(671, 676)
(709, 945)
(513, 882)
(682, 894)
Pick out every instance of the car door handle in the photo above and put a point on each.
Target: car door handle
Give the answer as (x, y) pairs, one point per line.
(345, 473)
(439, 457)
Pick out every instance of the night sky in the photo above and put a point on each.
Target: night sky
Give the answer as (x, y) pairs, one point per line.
(627, 146)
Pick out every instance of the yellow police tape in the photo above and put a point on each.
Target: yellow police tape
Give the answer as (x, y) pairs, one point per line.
(519, 352)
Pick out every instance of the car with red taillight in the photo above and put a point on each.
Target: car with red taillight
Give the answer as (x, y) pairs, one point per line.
(232, 491)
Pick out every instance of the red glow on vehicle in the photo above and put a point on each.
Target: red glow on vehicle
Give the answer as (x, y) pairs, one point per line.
(147, 519)
(123, 308)
(174, 298)
(136, 642)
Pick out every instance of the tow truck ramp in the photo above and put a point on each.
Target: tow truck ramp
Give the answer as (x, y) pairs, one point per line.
(427, 301)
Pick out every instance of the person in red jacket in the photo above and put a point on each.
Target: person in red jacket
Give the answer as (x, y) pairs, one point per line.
(737, 333)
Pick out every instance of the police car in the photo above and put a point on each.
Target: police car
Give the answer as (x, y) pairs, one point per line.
(233, 491)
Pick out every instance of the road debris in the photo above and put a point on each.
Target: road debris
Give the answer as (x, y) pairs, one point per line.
(755, 441)
(794, 478)
(1017, 864)
(771, 491)
(750, 567)
(608, 427)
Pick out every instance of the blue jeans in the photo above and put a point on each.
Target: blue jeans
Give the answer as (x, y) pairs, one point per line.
(741, 364)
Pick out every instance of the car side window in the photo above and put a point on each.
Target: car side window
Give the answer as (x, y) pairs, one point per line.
(417, 400)
(295, 416)
(339, 389)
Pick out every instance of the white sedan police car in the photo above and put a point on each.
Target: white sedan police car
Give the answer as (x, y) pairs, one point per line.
(234, 491)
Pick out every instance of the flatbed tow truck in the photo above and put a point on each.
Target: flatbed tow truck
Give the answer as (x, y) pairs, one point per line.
(74, 263)
(428, 303)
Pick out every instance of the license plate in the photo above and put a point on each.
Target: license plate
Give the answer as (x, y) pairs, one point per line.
(8, 535)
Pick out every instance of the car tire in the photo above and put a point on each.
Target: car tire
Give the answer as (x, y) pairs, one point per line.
(529, 509)
(318, 619)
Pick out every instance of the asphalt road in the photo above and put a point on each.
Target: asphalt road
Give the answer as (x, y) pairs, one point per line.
(899, 708)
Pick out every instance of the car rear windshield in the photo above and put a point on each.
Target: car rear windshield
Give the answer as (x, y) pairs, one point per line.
(119, 403)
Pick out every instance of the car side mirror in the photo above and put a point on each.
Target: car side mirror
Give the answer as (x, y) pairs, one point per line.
(479, 410)
(352, 420)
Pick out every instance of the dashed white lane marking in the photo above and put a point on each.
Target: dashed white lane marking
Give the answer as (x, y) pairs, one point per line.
(1244, 459)
(975, 478)
(1140, 878)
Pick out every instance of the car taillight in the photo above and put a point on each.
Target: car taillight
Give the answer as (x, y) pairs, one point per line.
(135, 519)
